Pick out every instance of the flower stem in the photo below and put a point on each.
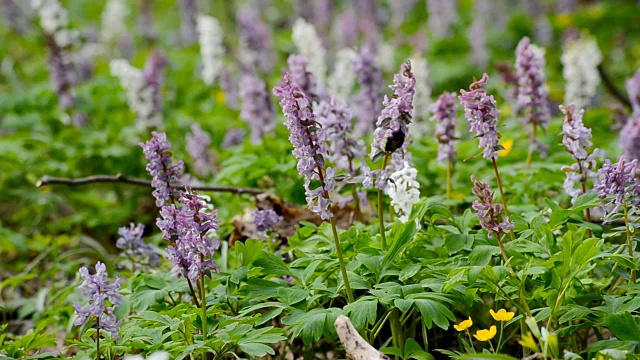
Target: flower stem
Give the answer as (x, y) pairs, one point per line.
(343, 266)
(583, 183)
(471, 340)
(500, 338)
(396, 330)
(380, 209)
(449, 168)
(97, 338)
(502, 197)
(532, 143)
(203, 302)
(504, 253)
(193, 293)
(629, 240)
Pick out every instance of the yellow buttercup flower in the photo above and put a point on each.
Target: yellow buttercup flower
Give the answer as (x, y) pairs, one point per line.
(464, 325)
(486, 335)
(219, 96)
(502, 315)
(507, 145)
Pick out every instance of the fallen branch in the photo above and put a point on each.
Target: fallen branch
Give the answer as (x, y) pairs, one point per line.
(120, 178)
(355, 346)
(608, 83)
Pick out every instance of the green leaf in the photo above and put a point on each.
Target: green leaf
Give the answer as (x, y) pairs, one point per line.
(434, 312)
(413, 350)
(272, 264)
(481, 255)
(362, 312)
(623, 325)
(255, 350)
(403, 235)
(457, 242)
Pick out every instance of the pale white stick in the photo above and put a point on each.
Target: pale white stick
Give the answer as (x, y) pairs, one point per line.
(355, 346)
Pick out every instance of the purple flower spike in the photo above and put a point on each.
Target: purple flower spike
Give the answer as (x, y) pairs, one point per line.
(133, 246)
(367, 104)
(533, 93)
(633, 89)
(619, 180)
(303, 128)
(303, 78)
(487, 212)
(256, 41)
(100, 294)
(265, 219)
(187, 229)
(444, 112)
(481, 112)
(392, 123)
(630, 138)
(198, 142)
(165, 175)
(256, 107)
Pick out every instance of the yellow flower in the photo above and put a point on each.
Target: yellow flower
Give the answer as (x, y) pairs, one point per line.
(464, 325)
(502, 315)
(507, 145)
(486, 335)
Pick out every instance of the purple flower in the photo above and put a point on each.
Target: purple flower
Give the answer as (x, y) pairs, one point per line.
(302, 125)
(481, 112)
(487, 212)
(630, 138)
(367, 104)
(617, 182)
(256, 107)
(442, 14)
(100, 294)
(188, 21)
(392, 123)
(165, 175)
(15, 16)
(198, 142)
(346, 27)
(144, 24)
(265, 219)
(60, 73)
(228, 84)
(576, 137)
(532, 98)
(133, 246)
(633, 89)
(186, 228)
(256, 41)
(303, 78)
(444, 112)
(341, 148)
(233, 137)
(477, 37)
(154, 77)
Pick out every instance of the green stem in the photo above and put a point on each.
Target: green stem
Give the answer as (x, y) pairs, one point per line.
(203, 302)
(500, 338)
(343, 266)
(193, 293)
(378, 326)
(449, 168)
(396, 330)
(502, 197)
(491, 346)
(97, 338)
(470, 340)
(532, 143)
(632, 280)
(380, 209)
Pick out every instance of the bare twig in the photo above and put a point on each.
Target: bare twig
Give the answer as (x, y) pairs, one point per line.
(608, 83)
(120, 178)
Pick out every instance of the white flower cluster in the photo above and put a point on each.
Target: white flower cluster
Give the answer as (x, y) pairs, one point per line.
(343, 78)
(580, 60)
(306, 39)
(422, 97)
(113, 20)
(211, 49)
(139, 93)
(54, 20)
(403, 191)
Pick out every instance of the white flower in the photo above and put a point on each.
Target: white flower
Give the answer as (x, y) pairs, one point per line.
(343, 78)
(403, 191)
(54, 20)
(310, 47)
(422, 97)
(580, 60)
(211, 49)
(139, 94)
(113, 20)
